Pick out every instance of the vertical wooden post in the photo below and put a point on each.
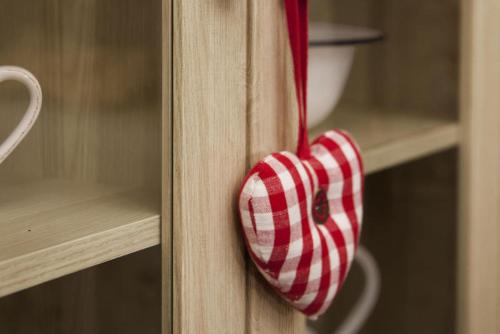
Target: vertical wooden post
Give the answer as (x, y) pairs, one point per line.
(479, 240)
(209, 160)
(233, 103)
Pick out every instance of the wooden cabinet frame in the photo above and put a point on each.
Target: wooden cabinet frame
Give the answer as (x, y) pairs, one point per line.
(227, 101)
(230, 68)
(229, 71)
(478, 307)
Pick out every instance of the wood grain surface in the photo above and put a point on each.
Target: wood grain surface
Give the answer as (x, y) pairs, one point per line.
(167, 171)
(209, 160)
(479, 252)
(233, 104)
(66, 230)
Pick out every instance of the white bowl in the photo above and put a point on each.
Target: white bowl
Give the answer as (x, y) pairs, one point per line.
(331, 54)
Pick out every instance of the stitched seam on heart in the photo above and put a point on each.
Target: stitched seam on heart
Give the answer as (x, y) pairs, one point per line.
(251, 183)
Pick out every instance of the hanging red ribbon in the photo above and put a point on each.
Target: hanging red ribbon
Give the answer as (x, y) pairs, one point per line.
(297, 13)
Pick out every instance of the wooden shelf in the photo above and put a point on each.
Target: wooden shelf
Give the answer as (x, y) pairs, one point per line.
(52, 228)
(389, 138)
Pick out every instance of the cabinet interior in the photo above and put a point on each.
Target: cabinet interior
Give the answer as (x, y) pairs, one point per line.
(410, 229)
(120, 296)
(99, 65)
(91, 164)
(409, 83)
(415, 68)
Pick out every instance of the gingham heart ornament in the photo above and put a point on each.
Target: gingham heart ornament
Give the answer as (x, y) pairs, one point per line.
(301, 213)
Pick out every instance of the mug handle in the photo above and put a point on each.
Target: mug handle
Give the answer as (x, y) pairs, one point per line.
(31, 114)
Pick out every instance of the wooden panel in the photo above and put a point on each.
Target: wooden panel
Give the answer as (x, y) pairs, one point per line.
(391, 137)
(209, 119)
(479, 251)
(272, 126)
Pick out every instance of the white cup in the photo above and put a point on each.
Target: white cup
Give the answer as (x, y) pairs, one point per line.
(31, 114)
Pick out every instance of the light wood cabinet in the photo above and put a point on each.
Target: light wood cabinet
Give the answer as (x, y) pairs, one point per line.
(118, 212)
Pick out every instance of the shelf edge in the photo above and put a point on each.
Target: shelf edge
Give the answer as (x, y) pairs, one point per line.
(35, 268)
(410, 147)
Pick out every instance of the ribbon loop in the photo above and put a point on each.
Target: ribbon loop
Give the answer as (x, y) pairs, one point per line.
(297, 13)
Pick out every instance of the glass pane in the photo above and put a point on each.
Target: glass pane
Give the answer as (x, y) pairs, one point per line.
(91, 165)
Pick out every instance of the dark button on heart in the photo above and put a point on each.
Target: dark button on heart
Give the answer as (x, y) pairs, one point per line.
(321, 210)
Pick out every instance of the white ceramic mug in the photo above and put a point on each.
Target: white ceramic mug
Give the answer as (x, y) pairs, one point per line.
(31, 114)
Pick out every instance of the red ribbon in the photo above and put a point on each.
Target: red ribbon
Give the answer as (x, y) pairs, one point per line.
(297, 13)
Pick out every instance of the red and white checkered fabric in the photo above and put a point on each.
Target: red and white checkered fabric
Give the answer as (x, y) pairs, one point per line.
(302, 218)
